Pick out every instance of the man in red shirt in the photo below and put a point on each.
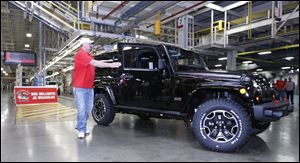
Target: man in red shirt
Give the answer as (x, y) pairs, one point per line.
(280, 88)
(83, 82)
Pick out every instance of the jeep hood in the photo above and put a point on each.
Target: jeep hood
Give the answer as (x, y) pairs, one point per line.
(232, 76)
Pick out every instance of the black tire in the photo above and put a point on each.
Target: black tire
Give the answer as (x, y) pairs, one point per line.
(221, 117)
(258, 128)
(103, 115)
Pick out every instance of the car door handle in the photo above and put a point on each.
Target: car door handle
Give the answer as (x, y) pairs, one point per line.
(126, 76)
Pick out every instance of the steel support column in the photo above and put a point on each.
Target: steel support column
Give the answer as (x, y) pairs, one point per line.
(231, 60)
(42, 58)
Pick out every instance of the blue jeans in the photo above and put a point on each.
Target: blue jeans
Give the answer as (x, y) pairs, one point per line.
(281, 95)
(84, 99)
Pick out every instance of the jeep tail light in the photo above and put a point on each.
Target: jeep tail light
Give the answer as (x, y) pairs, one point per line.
(257, 98)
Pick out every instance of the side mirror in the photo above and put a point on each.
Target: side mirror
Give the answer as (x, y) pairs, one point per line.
(161, 64)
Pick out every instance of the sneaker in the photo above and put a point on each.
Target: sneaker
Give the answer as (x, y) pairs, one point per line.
(87, 132)
(81, 135)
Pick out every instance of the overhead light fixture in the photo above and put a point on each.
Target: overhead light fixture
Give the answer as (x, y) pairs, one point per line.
(26, 45)
(56, 73)
(264, 53)
(127, 48)
(289, 58)
(5, 74)
(141, 37)
(259, 69)
(2, 69)
(297, 69)
(223, 58)
(28, 34)
(218, 65)
(247, 62)
(285, 68)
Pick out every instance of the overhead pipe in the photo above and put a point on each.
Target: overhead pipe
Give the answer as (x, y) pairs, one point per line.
(268, 37)
(179, 12)
(266, 61)
(273, 49)
(134, 10)
(115, 9)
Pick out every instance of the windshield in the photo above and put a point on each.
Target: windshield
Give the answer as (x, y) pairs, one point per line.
(184, 60)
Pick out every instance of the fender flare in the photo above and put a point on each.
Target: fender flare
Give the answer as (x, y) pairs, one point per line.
(197, 89)
(109, 91)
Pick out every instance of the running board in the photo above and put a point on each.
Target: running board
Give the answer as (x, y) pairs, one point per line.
(150, 111)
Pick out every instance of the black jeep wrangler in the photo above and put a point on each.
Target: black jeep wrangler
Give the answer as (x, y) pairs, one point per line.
(164, 81)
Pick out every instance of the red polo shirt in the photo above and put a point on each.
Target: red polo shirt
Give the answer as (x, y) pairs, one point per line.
(280, 85)
(84, 73)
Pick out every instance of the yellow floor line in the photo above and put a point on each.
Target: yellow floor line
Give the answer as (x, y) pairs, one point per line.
(67, 117)
(37, 106)
(42, 107)
(43, 111)
(49, 114)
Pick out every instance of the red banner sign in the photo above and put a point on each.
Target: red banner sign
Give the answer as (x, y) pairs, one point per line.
(35, 95)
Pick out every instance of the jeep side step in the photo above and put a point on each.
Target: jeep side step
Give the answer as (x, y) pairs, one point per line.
(161, 113)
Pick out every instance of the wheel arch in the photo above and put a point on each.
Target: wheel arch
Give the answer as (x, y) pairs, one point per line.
(108, 91)
(201, 95)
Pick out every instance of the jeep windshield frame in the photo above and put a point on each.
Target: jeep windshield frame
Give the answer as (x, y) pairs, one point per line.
(184, 60)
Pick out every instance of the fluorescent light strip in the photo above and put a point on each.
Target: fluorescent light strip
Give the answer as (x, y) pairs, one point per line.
(289, 58)
(223, 58)
(246, 62)
(57, 73)
(28, 34)
(285, 68)
(266, 52)
(259, 69)
(218, 65)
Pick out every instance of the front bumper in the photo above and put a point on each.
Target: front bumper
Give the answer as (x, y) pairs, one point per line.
(272, 111)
